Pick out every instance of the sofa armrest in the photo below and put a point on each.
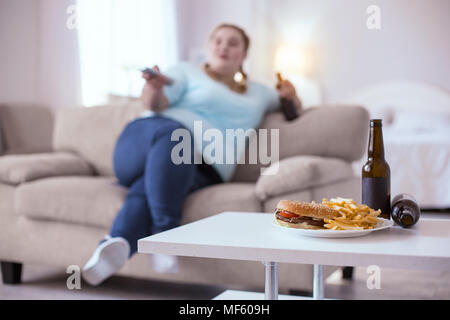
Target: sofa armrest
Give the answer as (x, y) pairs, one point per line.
(25, 127)
(16, 169)
(299, 173)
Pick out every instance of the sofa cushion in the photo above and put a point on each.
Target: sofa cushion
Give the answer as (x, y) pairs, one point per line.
(92, 201)
(92, 132)
(299, 173)
(16, 169)
(218, 198)
(95, 201)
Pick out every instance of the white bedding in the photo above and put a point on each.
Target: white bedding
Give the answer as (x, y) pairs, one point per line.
(420, 165)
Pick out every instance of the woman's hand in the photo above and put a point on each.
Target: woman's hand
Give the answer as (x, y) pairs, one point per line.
(156, 83)
(286, 90)
(153, 96)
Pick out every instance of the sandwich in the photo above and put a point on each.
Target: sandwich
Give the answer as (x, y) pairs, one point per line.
(303, 215)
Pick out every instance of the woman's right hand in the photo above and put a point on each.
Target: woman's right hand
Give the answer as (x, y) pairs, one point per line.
(152, 94)
(156, 82)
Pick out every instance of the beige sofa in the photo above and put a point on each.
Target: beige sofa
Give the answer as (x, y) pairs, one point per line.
(59, 195)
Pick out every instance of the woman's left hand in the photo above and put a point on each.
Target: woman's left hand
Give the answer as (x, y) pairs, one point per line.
(286, 90)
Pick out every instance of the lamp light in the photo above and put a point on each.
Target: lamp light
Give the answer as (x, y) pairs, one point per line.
(289, 59)
(295, 64)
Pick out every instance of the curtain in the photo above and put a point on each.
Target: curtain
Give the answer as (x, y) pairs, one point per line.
(119, 37)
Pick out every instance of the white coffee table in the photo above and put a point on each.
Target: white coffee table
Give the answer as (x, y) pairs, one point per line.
(251, 236)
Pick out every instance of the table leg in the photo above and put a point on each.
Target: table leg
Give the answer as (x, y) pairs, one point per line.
(271, 284)
(318, 285)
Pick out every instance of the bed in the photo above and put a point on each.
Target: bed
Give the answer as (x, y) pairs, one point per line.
(416, 132)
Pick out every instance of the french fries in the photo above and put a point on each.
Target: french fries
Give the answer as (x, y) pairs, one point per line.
(353, 216)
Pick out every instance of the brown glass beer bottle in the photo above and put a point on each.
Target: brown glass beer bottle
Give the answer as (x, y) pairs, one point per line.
(376, 174)
(288, 107)
(405, 210)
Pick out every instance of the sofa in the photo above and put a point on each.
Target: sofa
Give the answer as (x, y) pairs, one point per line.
(59, 195)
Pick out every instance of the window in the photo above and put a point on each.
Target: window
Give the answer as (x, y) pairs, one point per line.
(117, 38)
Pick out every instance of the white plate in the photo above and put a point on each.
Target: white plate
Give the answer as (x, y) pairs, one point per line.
(333, 233)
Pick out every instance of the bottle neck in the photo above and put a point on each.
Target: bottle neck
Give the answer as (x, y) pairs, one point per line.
(376, 145)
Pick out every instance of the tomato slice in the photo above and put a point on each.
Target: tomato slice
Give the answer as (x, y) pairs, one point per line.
(288, 214)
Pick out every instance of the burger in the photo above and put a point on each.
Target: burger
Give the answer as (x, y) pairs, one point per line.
(303, 215)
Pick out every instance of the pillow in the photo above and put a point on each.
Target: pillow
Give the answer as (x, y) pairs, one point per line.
(16, 169)
(299, 173)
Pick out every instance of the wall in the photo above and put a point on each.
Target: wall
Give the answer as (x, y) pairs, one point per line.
(38, 55)
(18, 51)
(411, 44)
(58, 65)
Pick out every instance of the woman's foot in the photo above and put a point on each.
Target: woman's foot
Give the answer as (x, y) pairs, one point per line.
(110, 255)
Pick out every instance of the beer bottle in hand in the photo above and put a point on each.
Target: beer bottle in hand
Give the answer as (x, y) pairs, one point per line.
(405, 210)
(288, 107)
(376, 174)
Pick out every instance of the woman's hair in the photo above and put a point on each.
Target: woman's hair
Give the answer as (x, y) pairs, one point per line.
(242, 86)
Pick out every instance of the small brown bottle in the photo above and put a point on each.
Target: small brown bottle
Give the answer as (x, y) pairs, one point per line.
(287, 106)
(376, 174)
(405, 210)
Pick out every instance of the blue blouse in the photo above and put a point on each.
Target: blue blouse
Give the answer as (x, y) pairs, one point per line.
(194, 96)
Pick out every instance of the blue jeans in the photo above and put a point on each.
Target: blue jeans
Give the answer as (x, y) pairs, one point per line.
(157, 186)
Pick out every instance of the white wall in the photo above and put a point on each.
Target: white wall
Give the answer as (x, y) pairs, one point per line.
(38, 55)
(18, 51)
(413, 43)
(58, 65)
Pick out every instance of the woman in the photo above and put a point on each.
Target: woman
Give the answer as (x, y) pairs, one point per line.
(142, 156)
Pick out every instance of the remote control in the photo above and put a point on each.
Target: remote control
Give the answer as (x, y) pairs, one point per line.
(153, 73)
